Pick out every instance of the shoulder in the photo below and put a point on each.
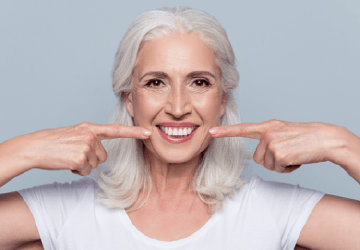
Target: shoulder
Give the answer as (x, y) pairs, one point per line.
(280, 201)
(280, 208)
(273, 191)
(59, 196)
(77, 187)
(52, 205)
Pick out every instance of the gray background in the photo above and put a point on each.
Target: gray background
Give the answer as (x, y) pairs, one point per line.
(298, 61)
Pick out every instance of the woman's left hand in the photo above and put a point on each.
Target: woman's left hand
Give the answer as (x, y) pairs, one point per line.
(284, 146)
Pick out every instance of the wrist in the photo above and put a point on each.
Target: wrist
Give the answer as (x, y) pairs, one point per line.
(13, 160)
(344, 150)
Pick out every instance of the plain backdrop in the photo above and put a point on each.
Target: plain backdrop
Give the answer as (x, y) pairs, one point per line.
(298, 61)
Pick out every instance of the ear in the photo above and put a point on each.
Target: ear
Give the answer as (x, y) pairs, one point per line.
(128, 103)
(223, 103)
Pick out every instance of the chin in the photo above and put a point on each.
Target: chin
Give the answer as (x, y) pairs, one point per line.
(177, 157)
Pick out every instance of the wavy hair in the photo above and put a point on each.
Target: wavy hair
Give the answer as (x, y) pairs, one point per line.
(127, 176)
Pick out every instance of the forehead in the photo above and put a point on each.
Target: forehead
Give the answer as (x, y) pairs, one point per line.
(176, 53)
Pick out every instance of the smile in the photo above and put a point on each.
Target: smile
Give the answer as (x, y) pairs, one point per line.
(176, 133)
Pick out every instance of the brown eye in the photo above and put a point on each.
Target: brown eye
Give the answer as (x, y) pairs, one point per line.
(154, 83)
(201, 83)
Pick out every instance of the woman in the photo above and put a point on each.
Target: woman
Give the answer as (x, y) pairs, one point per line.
(176, 187)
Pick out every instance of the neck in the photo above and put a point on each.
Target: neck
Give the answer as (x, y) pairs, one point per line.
(169, 178)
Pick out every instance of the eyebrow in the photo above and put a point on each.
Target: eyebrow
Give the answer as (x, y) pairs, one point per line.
(198, 73)
(158, 74)
(161, 74)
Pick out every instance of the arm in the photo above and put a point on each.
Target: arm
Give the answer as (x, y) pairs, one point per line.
(333, 224)
(37, 245)
(17, 223)
(76, 148)
(285, 146)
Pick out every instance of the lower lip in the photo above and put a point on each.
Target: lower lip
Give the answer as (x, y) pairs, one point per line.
(176, 140)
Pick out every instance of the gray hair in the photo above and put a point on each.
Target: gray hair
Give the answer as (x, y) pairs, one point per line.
(219, 174)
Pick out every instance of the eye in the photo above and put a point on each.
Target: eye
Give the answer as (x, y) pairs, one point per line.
(154, 83)
(201, 83)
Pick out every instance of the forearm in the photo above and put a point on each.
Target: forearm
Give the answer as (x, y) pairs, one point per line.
(13, 161)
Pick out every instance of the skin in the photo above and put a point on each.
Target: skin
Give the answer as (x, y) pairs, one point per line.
(173, 211)
(285, 146)
(185, 88)
(76, 148)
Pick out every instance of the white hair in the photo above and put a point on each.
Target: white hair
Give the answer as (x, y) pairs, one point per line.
(219, 174)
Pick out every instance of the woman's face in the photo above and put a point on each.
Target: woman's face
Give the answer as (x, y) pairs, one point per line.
(176, 94)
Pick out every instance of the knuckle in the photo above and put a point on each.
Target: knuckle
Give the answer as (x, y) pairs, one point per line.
(86, 172)
(81, 160)
(257, 158)
(85, 148)
(242, 129)
(103, 157)
(276, 123)
(270, 134)
(268, 165)
(282, 159)
(119, 129)
(272, 146)
(89, 136)
(84, 124)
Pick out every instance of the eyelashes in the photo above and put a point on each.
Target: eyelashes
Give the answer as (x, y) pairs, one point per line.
(201, 83)
(197, 83)
(154, 83)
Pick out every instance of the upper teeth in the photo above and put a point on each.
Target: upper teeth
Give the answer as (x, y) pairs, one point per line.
(177, 131)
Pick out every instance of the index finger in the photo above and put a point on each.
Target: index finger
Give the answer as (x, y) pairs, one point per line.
(248, 130)
(113, 131)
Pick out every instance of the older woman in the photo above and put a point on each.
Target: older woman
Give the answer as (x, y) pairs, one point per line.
(175, 187)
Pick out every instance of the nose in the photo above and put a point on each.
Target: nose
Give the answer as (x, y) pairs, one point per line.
(178, 103)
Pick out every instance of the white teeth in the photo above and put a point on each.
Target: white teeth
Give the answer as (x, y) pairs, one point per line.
(171, 131)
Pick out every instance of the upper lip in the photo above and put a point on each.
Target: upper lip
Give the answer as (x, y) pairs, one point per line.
(178, 125)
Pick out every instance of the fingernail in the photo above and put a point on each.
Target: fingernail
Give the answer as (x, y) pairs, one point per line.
(146, 133)
(214, 131)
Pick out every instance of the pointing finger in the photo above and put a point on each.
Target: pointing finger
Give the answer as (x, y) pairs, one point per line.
(248, 130)
(113, 131)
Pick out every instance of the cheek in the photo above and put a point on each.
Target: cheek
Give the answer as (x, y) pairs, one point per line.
(145, 108)
(209, 108)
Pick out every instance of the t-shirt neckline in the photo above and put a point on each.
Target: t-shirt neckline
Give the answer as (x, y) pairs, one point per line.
(167, 244)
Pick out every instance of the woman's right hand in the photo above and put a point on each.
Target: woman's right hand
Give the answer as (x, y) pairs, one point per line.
(77, 148)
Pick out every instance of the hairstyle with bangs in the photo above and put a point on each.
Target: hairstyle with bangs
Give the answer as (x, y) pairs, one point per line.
(126, 175)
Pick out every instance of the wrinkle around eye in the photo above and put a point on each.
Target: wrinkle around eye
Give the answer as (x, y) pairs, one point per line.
(207, 85)
(155, 85)
(149, 86)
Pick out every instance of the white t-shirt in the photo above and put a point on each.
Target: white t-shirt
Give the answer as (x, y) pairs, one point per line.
(262, 215)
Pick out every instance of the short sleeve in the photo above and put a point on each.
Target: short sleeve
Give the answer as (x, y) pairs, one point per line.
(290, 206)
(52, 204)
